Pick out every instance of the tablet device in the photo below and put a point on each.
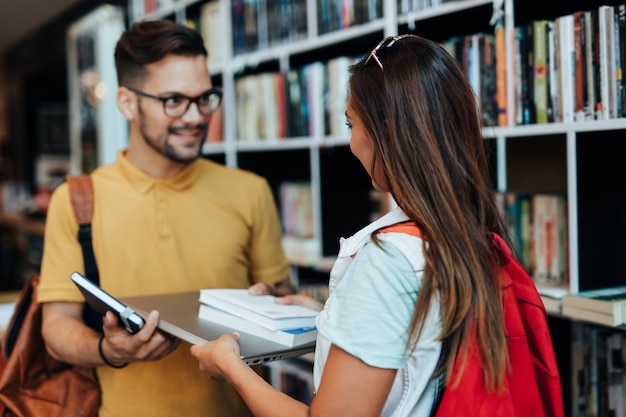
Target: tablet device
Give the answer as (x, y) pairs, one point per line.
(101, 301)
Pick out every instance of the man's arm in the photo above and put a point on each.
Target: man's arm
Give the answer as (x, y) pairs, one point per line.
(69, 340)
(66, 337)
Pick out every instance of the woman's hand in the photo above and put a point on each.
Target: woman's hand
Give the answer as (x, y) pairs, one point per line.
(301, 300)
(216, 356)
(262, 288)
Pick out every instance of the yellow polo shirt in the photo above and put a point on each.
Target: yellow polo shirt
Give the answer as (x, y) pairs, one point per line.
(210, 226)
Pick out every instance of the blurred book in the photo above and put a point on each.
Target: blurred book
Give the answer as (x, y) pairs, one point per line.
(605, 306)
(592, 316)
(552, 297)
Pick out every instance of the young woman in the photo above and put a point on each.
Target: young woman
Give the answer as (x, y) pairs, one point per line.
(395, 296)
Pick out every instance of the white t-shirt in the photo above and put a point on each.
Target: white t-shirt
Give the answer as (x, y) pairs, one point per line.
(374, 293)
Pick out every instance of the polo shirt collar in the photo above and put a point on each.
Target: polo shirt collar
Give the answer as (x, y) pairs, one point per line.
(143, 182)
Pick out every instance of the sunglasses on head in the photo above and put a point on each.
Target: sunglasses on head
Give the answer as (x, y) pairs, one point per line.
(385, 43)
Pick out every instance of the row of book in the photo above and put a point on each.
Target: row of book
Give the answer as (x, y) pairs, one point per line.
(565, 70)
(310, 101)
(407, 6)
(537, 225)
(259, 24)
(605, 306)
(570, 68)
(478, 57)
(306, 101)
(335, 15)
(294, 377)
(296, 205)
(598, 371)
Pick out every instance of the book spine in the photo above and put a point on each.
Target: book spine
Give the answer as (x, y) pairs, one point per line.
(621, 45)
(589, 68)
(540, 66)
(501, 91)
(615, 375)
(567, 68)
(579, 82)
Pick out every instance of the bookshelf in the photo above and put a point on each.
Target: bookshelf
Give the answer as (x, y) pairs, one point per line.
(574, 155)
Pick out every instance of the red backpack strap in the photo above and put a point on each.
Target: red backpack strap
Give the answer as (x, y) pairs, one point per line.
(409, 227)
(533, 387)
(529, 343)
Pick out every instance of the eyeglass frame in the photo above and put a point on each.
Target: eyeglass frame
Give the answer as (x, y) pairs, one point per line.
(391, 40)
(190, 100)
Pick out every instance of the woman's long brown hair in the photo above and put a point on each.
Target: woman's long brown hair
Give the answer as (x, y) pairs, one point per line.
(423, 119)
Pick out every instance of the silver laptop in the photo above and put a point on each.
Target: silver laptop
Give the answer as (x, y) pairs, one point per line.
(179, 317)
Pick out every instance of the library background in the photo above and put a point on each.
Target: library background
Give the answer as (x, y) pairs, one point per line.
(548, 76)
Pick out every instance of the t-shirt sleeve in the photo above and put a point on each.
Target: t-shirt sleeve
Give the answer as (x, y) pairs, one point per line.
(373, 305)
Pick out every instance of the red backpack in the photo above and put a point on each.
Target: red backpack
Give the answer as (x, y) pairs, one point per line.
(532, 388)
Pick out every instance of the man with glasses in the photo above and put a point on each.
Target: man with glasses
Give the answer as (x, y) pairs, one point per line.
(165, 220)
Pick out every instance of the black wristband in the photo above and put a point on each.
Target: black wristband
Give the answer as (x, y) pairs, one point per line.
(104, 359)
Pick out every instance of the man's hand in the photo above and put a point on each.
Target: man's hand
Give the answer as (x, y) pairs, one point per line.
(148, 344)
(281, 288)
(69, 340)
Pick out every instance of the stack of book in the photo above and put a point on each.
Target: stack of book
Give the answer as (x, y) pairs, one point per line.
(552, 297)
(605, 306)
(259, 315)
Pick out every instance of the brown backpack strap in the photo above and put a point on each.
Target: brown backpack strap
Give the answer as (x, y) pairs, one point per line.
(81, 194)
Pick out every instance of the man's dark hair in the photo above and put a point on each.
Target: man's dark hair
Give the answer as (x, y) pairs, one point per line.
(150, 41)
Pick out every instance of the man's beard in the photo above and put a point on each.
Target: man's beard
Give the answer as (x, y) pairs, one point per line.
(164, 148)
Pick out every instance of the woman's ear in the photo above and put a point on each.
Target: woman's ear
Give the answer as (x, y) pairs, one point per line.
(127, 103)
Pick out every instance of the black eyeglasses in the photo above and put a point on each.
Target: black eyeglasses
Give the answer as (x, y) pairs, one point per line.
(176, 105)
(387, 42)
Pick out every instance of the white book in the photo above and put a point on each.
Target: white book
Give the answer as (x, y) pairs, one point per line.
(604, 300)
(315, 73)
(268, 111)
(292, 337)
(212, 30)
(607, 63)
(261, 309)
(551, 297)
(566, 64)
(248, 107)
(338, 79)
